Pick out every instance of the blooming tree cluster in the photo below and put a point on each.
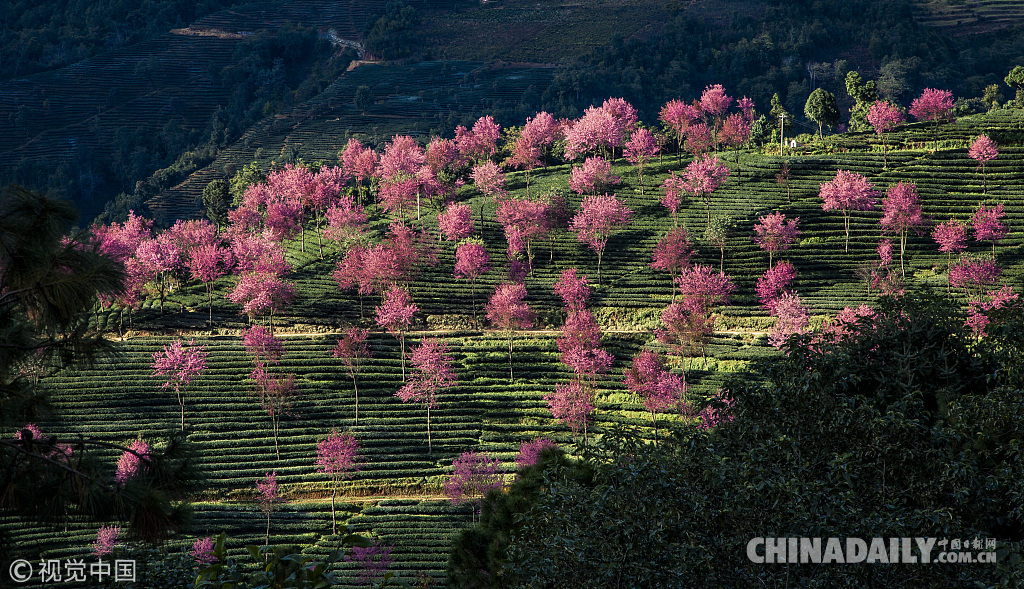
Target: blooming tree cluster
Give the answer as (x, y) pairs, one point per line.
(433, 374)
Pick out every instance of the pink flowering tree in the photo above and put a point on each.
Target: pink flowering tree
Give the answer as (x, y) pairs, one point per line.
(337, 456)
(983, 150)
(978, 308)
(433, 374)
(538, 134)
(480, 143)
(262, 293)
(884, 117)
(353, 351)
(134, 461)
(951, 237)
(672, 254)
(456, 222)
(207, 263)
(524, 221)
(639, 150)
(359, 163)
(275, 392)
(395, 315)
(346, 222)
(202, 552)
(580, 345)
(699, 139)
(703, 289)
(791, 318)
(848, 191)
(883, 277)
(573, 289)
(598, 218)
(507, 311)
(933, 105)
(572, 404)
(268, 495)
(373, 560)
(106, 540)
(774, 283)
(717, 412)
(677, 117)
(734, 132)
(158, 259)
(686, 331)
(598, 130)
(973, 275)
(901, 212)
(489, 180)
(593, 176)
(399, 186)
(775, 234)
(529, 452)
(702, 177)
(474, 474)
(659, 390)
(987, 226)
(675, 187)
(471, 262)
(180, 364)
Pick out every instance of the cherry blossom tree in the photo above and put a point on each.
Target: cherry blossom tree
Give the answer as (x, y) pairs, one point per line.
(983, 150)
(774, 283)
(884, 117)
(598, 129)
(883, 277)
(675, 187)
(202, 552)
(792, 318)
(672, 254)
(677, 116)
(474, 474)
(572, 404)
(264, 347)
(180, 363)
(507, 311)
(686, 331)
(529, 452)
(951, 237)
(262, 292)
(658, 389)
(978, 308)
(714, 101)
(269, 497)
(573, 289)
(594, 175)
(641, 148)
(482, 142)
(538, 133)
(735, 131)
(702, 288)
(337, 456)
(581, 349)
(973, 275)
(901, 212)
(119, 241)
(471, 261)
(346, 222)
(106, 540)
(490, 180)
(374, 561)
(158, 259)
(702, 177)
(598, 217)
(456, 222)
(433, 374)
(524, 221)
(395, 315)
(987, 226)
(134, 461)
(715, 413)
(442, 156)
(775, 234)
(275, 393)
(353, 351)
(359, 163)
(933, 105)
(699, 139)
(848, 191)
(399, 185)
(207, 263)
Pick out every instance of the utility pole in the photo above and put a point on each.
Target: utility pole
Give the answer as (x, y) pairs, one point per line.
(782, 133)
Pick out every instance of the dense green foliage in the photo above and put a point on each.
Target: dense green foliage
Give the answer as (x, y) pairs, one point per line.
(909, 429)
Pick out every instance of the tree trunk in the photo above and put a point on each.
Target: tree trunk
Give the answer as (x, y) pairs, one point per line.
(181, 401)
(401, 344)
(267, 542)
(600, 253)
(511, 378)
(334, 518)
(209, 290)
(355, 385)
(277, 448)
(430, 447)
(846, 226)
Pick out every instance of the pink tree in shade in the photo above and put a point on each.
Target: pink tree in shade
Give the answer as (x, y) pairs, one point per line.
(933, 105)
(275, 393)
(702, 288)
(572, 404)
(775, 234)
(207, 263)
(791, 318)
(677, 116)
(268, 494)
(699, 139)
(675, 187)
(33, 440)
(580, 344)
(686, 331)
(883, 277)
(702, 177)
(264, 347)
(735, 131)
(973, 275)
(884, 117)
(359, 163)
(847, 323)
(202, 552)
(987, 226)
(373, 560)
(639, 150)
(353, 351)
(672, 254)
(983, 150)
(529, 452)
(507, 311)
(951, 237)
(594, 175)
(659, 390)
(474, 474)
(489, 180)
(346, 222)
(848, 191)
(442, 156)
(433, 374)
(978, 308)
(524, 221)
(573, 289)
(471, 261)
(717, 412)
(395, 315)
(134, 461)
(901, 212)
(774, 283)
(106, 540)
(598, 218)
(180, 364)
(456, 222)
(337, 456)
